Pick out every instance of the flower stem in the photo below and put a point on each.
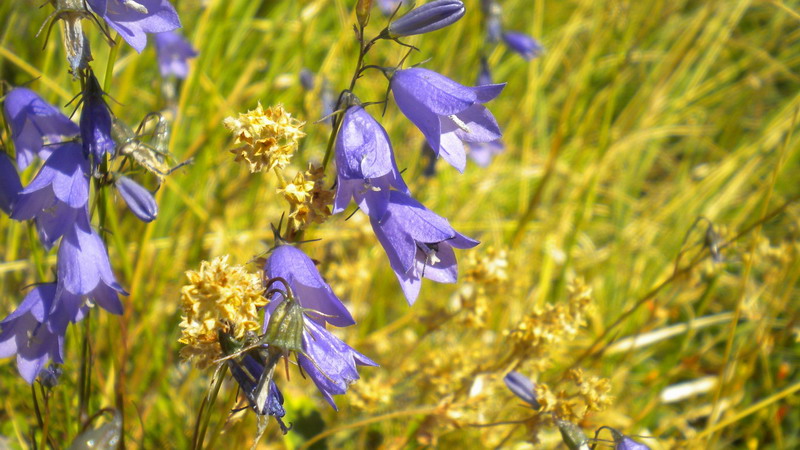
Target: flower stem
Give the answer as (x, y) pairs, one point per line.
(204, 414)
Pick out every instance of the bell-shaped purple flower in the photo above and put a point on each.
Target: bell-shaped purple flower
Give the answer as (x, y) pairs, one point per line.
(329, 362)
(428, 17)
(522, 387)
(622, 442)
(310, 290)
(446, 112)
(173, 52)
(24, 334)
(9, 183)
(95, 122)
(523, 44)
(84, 269)
(59, 190)
(139, 200)
(248, 373)
(365, 164)
(418, 243)
(133, 19)
(483, 152)
(33, 120)
(388, 7)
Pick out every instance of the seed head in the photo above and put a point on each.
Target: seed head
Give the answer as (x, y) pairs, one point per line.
(269, 137)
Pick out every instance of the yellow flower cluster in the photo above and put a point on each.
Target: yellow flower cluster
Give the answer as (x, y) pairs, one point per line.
(310, 201)
(269, 137)
(218, 297)
(587, 394)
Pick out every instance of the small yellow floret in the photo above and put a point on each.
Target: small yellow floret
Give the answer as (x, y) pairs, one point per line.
(310, 201)
(218, 297)
(269, 137)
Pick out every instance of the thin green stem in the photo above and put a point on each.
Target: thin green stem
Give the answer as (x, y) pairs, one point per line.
(204, 414)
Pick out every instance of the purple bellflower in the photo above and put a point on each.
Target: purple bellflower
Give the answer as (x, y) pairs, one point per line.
(446, 112)
(334, 363)
(523, 44)
(622, 442)
(388, 7)
(84, 269)
(139, 200)
(310, 289)
(365, 164)
(56, 194)
(9, 183)
(95, 122)
(483, 152)
(418, 243)
(248, 373)
(32, 120)
(173, 52)
(133, 19)
(25, 334)
(428, 17)
(522, 387)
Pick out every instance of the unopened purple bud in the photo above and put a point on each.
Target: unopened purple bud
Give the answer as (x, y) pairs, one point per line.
(428, 17)
(9, 183)
(307, 79)
(139, 200)
(522, 387)
(523, 44)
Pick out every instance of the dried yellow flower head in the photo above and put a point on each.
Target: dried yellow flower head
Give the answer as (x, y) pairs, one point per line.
(218, 297)
(309, 200)
(269, 137)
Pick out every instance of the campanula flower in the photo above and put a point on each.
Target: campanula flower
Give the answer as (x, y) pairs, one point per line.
(24, 333)
(522, 387)
(139, 200)
(173, 52)
(492, 12)
(57, 192)
(310, 290)
(9, 183)
(95, 122)
(428, 17)
(388, 7)
(419, 244)
(523, 44)
(483, 152)
(446, 112)
(247, 373)
(334, 363)
(33, 120)
(133, 19)
(622, 442)
(307, 79)
(83, 267)
(365, 164)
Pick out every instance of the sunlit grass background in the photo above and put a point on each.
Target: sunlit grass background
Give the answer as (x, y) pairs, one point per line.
(640, 117)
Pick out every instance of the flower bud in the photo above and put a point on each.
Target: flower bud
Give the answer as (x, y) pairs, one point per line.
(285, 327)
(522, 387)
(139, 200)
(572, 435)
(363, 7)
(428, 17)
(523, 44)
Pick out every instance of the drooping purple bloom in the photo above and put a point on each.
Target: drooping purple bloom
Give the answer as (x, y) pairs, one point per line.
(139, 200)
(523, 44)
(622, 442)
(446, 112)
(25, 334)
(492, 12)
(9, 183)
(33, 120)
(484, 74)
(84, 269)
(307, 78)
(173, 52)
(365, 164)
(418, 243)
(59, 190)
(428, 17)
(334, 363)
(388, 7)
(133, 19)
(483, 152)
(95, 122)
(522, 387)
(310, 290)
(248, 373)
